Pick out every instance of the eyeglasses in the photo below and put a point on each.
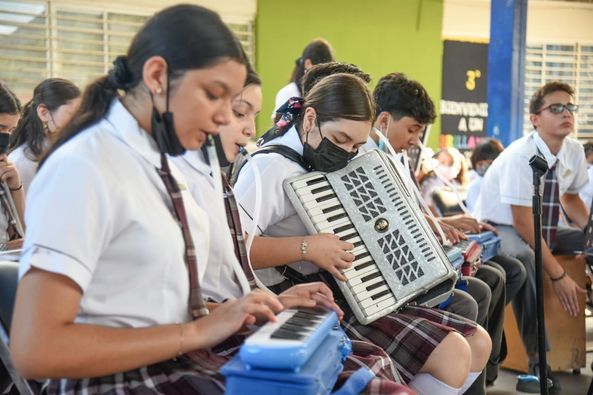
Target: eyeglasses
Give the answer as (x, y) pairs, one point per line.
(558, 108)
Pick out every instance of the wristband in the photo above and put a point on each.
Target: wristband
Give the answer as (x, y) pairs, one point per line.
(16, 189)
(304, 246)
(560, 277)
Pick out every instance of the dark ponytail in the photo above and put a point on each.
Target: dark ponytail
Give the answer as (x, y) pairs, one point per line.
(51, 93)
(317, 51)
(187, 36)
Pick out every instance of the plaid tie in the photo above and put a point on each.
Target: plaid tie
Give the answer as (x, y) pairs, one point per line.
(234, 220)
(196, 302)
(550, 207)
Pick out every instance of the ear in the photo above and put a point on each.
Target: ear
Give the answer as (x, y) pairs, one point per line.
(309, 120)
(43, 113)
(534, 119)
(382, 121)
(308, 64)
(154, 74)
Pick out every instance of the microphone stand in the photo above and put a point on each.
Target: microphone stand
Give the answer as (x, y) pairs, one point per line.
(540, 167)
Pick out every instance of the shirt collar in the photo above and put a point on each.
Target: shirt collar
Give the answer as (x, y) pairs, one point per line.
(196, 160)
(545, 151)
(126, 128)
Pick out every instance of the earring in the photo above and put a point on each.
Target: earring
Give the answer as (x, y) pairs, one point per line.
(159, 90)
(45, 128)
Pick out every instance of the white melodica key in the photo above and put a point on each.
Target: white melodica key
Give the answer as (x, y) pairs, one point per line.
(319, 180)
(388, 300)
(356, 289)
(316, 199)
(313, 204)
(324, 208)
(328, 227)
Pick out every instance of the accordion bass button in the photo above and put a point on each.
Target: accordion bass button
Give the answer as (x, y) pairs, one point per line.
(381, 225)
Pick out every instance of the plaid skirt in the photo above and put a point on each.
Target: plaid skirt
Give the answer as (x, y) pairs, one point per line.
(408, 336)
(198, 373)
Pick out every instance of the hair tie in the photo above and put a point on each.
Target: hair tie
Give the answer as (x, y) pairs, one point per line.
(120, 76)
(289, 113)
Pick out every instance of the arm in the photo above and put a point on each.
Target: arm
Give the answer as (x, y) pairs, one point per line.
(10, 175)
(575, 209)
(324, 250)
(46, 343)
(566, 289)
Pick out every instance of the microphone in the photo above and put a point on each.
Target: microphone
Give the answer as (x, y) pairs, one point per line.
(538, 164)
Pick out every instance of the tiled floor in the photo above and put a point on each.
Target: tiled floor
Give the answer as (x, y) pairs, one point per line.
(571, 384)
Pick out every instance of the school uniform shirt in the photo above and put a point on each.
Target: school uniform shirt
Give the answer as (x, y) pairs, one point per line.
(3, 225)
(586, 193)
(25, 165)
(224, 278)
(285, 93)
(473, 194)
(509, 180)
(277, 217)
(99, 213)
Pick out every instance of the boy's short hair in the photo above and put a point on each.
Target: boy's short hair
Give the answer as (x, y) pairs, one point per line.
(537, 99)
(402, 97)
(319, 71)
(487, 150)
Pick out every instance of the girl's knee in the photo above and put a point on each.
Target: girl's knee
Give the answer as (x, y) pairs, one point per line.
(481, 346)
(450, 361)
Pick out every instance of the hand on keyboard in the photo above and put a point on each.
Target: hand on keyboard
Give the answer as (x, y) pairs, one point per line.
(231, 316)
(452, 234)
(330, 253)
(464, 223)
(310, 295)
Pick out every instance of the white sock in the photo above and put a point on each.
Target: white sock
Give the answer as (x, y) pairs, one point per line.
(471, 377)
(427, 384)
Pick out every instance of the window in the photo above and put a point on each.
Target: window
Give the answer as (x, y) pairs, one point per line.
(48, 39)
(570, 63)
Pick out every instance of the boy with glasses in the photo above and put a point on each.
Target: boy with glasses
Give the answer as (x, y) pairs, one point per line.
(506, 202)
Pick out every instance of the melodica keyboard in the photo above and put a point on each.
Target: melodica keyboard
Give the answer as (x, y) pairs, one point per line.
(301, 353)
(290, 341)
(397, 256)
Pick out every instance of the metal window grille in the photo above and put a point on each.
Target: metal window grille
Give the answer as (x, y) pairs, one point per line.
(41, 39)
(570, 63)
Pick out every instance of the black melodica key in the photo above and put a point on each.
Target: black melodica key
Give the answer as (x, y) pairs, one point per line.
(321, 189)
(348, 236)
(343, 228)
(336, 217)
(370, 277)
(324, 198)
(381, 294)
(281, 334)
(364, 265)
(331, 208)
(376, 285)
(315, 181)
(360, 256)
(302, 321)
(294, 328)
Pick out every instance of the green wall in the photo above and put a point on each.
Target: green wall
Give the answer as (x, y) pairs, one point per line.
(379, 36)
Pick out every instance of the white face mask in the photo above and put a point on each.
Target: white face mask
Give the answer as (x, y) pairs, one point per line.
(448, 172)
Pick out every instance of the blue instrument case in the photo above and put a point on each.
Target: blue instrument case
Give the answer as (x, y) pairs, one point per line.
(316, 377)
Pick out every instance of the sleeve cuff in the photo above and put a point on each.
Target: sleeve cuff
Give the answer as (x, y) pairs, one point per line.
(57, 262)
(516, 201)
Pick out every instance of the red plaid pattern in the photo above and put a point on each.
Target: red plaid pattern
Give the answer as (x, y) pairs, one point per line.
(234, 220)
(196, 302)
(550, 207)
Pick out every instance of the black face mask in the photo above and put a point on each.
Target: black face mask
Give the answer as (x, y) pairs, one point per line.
(327, 156)
(163, 129)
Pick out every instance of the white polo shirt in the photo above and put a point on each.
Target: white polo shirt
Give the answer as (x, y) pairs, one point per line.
(25, 165)
(99, 213)
(224, 278)
(509, 180)
(277, 215)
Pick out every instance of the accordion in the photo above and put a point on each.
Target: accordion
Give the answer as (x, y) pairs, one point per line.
(398, 259)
